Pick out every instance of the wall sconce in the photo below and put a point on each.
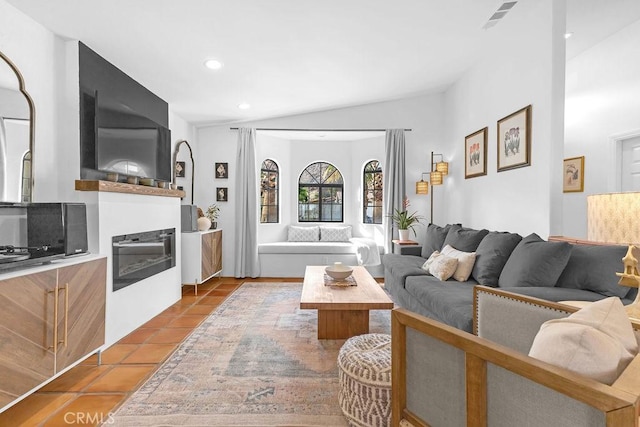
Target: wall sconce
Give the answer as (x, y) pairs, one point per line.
(422, 186)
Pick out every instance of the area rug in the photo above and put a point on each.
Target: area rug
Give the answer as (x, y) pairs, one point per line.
(255, 361)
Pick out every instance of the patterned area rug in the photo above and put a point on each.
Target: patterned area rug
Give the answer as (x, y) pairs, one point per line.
(256, 361)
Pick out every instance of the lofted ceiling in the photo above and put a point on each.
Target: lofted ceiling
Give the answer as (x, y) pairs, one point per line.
(286, 57)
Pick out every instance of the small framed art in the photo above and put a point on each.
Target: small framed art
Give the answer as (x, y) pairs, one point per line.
(222, 170)
(180, 170)
(573, 175)
(475, 154)
(221, 194)
(514, 140)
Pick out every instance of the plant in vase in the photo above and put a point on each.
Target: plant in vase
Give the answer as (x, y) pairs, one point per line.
(213, 212)
(404, 220)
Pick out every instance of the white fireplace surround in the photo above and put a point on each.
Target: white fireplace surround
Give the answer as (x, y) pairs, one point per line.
(110, 214)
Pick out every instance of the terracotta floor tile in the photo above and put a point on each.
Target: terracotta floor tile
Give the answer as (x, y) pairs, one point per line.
(188, 300)
(170, 335)
(158, 322)
(91, 360)
(87, 410)
(138, 336)
(175, 310)
(117, 352)
(210, 300)
(220, 293)
(228, 286)
(34, 409)
(150, 353)
(124, 378)
(187, 321)
(76, 379)
(201, 309)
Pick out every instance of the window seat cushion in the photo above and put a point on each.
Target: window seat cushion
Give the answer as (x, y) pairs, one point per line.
(306, 248)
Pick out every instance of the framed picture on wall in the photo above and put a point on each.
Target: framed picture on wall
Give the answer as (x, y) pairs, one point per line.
(222, 170)
(475, 154)
(573, 175)
(221, 194)
(514, 140)
(180, 170)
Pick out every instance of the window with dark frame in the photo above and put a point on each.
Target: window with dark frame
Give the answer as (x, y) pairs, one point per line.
(372, 193)
(320, 194)
(269, 192)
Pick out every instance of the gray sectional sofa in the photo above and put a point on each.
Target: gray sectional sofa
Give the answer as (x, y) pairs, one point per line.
(551, 270)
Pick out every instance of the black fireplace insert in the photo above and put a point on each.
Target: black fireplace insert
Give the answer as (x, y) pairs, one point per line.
(137, 256)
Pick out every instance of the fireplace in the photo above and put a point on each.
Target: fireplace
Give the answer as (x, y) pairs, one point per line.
(137, 256)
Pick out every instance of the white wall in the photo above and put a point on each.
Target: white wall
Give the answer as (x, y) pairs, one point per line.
(603, 101)
(525, 70)
(423, 114)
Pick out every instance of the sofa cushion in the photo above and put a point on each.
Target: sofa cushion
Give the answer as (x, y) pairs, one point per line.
(443, 267)
(593, 268)
(399, 267)
(303, 234)
(491, 256)
(465, 262)
(449, 302)
(555, 293)
(596, 341)
(464, 239)
(535, 262)
(335, 234)
(434, 240)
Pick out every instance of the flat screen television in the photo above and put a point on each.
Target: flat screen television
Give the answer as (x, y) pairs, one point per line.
(129, 143)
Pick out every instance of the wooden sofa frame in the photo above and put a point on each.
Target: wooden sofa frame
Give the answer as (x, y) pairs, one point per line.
(618, 403)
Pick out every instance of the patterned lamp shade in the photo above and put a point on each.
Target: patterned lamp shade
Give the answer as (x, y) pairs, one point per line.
(443, 168)
(436, 178)
(614, 218)
(422, 187)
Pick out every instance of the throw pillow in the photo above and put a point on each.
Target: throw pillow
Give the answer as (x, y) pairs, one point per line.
(596, 341)
(535, 262)
(303, 234)
(335, 234)
(434, 240)
(464, 239)
(491, 256)
(465, 262)
(592, 268)
(443, 267)
(429, 261)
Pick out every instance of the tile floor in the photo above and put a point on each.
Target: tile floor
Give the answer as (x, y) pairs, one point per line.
(86, 394)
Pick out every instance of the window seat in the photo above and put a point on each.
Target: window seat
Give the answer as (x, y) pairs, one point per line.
(289, 259)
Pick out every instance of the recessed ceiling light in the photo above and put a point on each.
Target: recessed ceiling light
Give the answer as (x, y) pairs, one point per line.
(244, 106)
(567, 35)
(213, 64)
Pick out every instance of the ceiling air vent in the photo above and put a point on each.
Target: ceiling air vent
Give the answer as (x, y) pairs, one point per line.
(499, 14)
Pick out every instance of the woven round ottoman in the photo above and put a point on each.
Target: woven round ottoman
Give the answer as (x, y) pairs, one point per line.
(364, 374)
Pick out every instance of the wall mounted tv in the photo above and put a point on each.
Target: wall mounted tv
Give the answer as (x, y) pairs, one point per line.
(130, 143)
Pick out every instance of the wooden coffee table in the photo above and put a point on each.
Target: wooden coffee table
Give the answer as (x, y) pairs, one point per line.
(343, 311)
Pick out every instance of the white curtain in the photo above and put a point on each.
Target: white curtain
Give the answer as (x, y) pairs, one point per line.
(246, 261)
(3, 161)
(394, 180)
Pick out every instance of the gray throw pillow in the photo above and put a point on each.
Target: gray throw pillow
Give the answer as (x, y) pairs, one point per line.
(464, 239)
(434, 239)
(535, 262)
(491, 256)
(594, 268)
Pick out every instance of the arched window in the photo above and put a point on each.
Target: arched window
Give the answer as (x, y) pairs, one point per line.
(372, 193)
(269, 188)
(320, 190)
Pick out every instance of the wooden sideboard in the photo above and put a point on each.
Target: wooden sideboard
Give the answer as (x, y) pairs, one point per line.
(52, 317)
(201, 256)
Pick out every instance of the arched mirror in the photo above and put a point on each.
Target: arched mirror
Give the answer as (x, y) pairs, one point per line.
(17, 125)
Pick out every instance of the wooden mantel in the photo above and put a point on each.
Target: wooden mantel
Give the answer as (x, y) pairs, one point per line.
(121, 187)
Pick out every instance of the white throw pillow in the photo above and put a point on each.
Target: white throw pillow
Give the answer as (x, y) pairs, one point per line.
(465, 262)
(335, 234)
(596, 341)
(443, 267)
(429, 261)
(303, 234)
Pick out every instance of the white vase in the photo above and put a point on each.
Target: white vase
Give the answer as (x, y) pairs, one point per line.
(204, 223)
(404, 234)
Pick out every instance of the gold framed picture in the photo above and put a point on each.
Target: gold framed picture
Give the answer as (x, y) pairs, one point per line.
(573, 175)
(514, 140)
(475, 154)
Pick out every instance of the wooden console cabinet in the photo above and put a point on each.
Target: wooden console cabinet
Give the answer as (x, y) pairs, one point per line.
(201, 256)
(50, 319)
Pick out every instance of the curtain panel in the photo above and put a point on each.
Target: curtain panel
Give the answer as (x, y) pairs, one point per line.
(394, 181)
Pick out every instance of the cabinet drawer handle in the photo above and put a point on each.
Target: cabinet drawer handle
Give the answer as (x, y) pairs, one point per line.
(66, 314)
(55, 318)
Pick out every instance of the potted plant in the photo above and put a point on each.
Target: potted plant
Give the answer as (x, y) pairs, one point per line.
(404, 220)
(213, 212)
